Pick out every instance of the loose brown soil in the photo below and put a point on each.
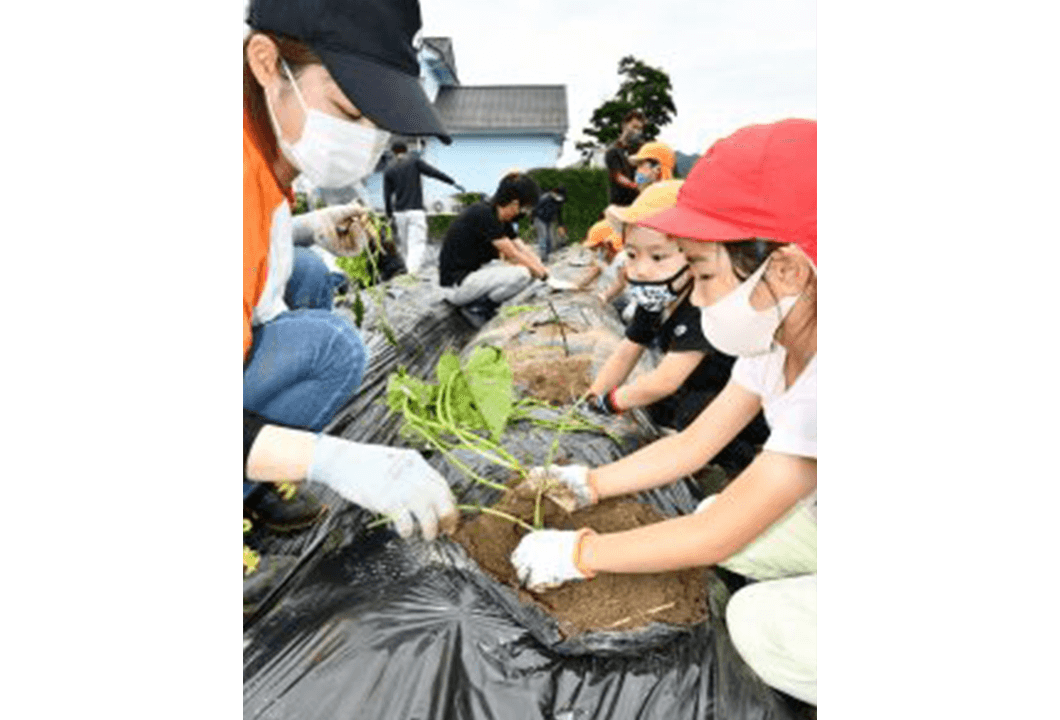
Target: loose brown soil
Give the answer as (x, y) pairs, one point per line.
(606, 602)
(548, 374)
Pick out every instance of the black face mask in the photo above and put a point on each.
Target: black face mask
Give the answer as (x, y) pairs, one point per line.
(654, 295)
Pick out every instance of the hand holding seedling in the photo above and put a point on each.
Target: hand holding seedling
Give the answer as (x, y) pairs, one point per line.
(566, 485)
(393, 481)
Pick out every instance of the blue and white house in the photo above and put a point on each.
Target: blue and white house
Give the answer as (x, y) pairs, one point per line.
(495, 129)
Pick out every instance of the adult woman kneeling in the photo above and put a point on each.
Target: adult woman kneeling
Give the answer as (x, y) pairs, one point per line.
(319, 85)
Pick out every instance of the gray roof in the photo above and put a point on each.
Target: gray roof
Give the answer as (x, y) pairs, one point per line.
(444, 47)
(503, 109)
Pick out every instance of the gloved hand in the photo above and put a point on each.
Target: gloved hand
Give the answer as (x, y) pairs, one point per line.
(548, 558)
(393, 481)
(604, 404)
(704, 504)
(567, 485)
(339, 229)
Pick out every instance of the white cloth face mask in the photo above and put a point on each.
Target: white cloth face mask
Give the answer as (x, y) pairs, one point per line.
(735, 328)
(332, 153)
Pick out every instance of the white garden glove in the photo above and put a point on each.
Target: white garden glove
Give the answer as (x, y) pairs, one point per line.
(704, 504)
(567, 485)
(339, 229)
(393, 481)
(546, 558)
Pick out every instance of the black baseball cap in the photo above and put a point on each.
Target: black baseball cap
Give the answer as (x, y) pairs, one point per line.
(366, 45)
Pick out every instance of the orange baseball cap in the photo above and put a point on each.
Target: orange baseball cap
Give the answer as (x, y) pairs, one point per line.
(602, 234)
(653, 199)
(661, 153)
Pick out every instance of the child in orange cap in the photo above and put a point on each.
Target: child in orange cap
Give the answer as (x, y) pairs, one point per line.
(608, 255)
(654, 161)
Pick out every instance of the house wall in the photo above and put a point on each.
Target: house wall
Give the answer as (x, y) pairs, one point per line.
(479, 161)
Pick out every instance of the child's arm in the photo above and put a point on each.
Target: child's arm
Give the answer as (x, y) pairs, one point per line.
(664, 380)
(617, 367)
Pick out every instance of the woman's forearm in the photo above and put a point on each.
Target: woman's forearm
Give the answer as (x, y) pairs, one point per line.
(280, 454)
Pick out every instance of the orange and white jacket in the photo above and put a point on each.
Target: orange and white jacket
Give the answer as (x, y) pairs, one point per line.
(268, 247)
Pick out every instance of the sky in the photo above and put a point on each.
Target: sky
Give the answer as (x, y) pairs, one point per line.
(731, 62)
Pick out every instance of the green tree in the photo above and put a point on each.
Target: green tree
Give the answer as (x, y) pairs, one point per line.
(642, 87)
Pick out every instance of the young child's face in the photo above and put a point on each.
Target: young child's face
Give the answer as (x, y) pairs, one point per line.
(711, 271)
(653, 256)
(649, 170)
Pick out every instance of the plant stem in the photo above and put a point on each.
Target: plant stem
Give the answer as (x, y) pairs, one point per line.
(498, 513)
(452, 458)
(559, 324)
(559, 433)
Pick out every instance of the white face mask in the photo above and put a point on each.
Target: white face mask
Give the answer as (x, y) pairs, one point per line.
(735, 328)
(332, 153)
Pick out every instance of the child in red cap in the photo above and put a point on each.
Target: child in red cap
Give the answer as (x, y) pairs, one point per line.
(746, 219)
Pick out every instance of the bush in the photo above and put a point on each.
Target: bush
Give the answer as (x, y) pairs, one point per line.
(438, 225)
(586, 198)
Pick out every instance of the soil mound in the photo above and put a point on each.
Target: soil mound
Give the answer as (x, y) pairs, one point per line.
(607, 602)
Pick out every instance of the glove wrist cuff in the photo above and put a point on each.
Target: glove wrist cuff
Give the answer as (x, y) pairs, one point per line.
(594, 495)
(579, 556)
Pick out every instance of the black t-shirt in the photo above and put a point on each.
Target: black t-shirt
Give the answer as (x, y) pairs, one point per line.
(617, 161)
(683, 332)
(468, 244)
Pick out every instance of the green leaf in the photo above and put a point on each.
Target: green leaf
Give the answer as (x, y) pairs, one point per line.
(489, 381)
(400, 385)
(358, 308)
(357, 268)
(448, 365)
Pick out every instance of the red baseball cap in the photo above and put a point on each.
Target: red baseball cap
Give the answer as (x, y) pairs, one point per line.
(759, 182)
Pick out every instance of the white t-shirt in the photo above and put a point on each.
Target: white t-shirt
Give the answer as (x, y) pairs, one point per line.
(790, 413)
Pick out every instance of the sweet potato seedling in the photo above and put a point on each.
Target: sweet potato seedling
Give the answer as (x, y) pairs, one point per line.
(468, 408)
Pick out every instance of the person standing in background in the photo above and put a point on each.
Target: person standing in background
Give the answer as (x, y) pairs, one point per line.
(548, 220)
(620, 173)
(403, 195)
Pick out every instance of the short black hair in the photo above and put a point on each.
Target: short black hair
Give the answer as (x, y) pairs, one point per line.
(560, 190)
(399, 147)
(516, 186)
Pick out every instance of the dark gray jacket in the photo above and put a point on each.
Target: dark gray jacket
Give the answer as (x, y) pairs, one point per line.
(401, 183)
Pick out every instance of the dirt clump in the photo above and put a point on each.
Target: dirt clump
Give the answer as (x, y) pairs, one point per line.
(606, 602)
(549, 374)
